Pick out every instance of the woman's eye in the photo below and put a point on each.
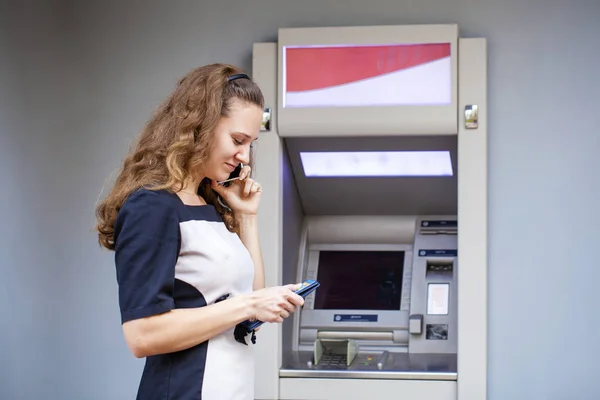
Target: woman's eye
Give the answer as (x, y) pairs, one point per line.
(238, 142)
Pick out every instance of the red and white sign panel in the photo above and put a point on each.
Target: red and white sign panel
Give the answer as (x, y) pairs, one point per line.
(351, 76)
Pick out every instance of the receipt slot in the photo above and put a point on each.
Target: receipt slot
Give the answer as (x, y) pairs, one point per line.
(374, 185)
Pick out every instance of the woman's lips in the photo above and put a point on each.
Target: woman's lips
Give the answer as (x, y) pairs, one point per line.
(231, 167)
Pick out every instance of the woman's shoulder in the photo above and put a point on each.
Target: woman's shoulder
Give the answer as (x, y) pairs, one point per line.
(150, 201)
(151, 196)
(146, 210)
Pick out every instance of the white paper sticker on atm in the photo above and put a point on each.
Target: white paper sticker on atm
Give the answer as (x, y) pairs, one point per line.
(437, 298)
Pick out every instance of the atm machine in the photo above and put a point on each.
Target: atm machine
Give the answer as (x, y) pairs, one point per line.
(373, 160)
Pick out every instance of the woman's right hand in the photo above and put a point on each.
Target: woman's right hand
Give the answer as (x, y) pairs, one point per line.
(276, 303)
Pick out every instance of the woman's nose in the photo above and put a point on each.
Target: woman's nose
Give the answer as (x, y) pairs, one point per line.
(243, 158)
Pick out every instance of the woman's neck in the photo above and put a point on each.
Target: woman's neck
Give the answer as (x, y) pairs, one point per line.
(189, 193)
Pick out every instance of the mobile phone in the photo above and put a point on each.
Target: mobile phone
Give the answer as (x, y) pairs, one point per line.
(307, 287)
(248, 327)
(234, 175)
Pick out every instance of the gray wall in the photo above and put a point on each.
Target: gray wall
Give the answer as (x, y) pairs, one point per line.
(78, 79)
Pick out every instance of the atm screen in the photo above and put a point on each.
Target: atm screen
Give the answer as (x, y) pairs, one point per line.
(359, 280)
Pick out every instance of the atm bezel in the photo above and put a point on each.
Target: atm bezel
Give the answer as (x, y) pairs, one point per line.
(386, 320)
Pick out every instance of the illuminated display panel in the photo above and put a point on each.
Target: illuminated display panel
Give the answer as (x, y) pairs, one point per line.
(367, 76)
(376, 163)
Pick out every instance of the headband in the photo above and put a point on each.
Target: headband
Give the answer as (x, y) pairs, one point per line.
(237, 76)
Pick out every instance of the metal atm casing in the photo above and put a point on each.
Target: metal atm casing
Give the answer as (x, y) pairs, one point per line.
(280, 238)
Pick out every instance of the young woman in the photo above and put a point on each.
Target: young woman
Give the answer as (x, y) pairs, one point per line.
(187, 255)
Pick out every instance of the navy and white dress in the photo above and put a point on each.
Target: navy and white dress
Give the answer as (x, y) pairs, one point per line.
(170, 255)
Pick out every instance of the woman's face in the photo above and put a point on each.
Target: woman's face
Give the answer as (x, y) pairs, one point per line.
(232, 139)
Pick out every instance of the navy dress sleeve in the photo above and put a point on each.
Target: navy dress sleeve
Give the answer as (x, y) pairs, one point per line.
(147, 241)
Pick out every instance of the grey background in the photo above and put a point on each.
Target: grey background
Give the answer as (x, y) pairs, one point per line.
(78, 80)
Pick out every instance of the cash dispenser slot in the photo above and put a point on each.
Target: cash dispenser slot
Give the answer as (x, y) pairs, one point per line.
(364, 339)
(359, 335)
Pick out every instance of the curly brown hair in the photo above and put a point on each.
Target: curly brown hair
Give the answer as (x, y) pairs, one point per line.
(178, 139)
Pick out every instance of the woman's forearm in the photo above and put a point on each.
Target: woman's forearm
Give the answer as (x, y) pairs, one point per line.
(183, 328)
(249, 236)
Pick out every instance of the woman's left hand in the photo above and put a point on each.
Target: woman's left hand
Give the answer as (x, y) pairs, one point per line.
(242, 195)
